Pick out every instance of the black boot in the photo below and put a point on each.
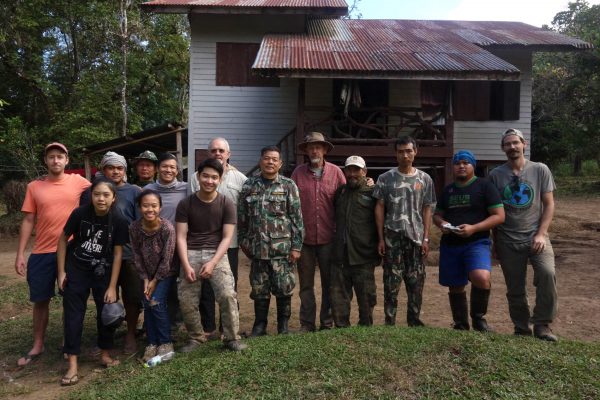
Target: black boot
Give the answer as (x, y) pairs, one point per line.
(479, 306)
(284, 312)
(261, 315)
(460, 311)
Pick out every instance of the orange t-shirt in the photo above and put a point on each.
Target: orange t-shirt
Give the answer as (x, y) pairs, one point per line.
(52, 202)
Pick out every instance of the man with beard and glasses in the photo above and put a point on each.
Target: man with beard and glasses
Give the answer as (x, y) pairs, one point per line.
(526, 189)
(354, 255)
(466, 212)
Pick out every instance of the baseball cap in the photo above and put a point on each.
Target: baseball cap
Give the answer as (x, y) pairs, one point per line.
(147, 155)
(357, 161)
(56, 145)
(512, 131)
(113, 314)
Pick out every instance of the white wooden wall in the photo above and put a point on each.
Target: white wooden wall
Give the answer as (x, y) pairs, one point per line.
(248, 117)
(483, 138)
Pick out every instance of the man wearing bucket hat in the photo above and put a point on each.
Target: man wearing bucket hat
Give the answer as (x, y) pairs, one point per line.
(466, 212)
(145, 168)
(48, 203)
(317, 181)
(354, 246)
(526, 189)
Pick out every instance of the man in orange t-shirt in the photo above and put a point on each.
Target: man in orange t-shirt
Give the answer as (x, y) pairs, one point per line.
(48, 203)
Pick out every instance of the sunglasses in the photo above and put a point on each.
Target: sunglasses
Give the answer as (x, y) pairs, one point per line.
(515, 183)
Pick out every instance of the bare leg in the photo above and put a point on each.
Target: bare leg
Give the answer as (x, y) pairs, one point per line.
(132, 313)
(40, 323)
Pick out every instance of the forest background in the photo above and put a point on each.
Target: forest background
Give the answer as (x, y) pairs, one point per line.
(91, 71)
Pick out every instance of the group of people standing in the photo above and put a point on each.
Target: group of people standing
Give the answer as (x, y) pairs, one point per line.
(174, 246)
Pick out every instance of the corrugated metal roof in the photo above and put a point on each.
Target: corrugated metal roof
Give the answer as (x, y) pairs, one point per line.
(313, 7)
(403, 49)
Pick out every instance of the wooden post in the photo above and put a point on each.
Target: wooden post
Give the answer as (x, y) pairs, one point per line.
(87, 167)
(179, 148)
(300, 120)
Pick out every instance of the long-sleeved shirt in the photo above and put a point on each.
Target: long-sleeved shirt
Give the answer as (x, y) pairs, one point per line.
(316, 198)
(153, 251)
(269, 218)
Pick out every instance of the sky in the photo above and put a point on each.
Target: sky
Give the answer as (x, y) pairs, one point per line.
(533, 12)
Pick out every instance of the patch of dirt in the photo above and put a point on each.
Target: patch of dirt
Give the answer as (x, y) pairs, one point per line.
(575, 234)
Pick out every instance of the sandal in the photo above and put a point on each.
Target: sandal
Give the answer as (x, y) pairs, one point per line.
(29, 358)
(69, 381)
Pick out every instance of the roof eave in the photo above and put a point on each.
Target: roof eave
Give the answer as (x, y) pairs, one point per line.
(393, 75)
(181, 9)
(540, 47)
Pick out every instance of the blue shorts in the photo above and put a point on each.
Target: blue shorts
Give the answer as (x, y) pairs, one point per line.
(41, 276)
(457, 261)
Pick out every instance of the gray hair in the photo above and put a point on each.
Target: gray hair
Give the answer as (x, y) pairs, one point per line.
(219, 139)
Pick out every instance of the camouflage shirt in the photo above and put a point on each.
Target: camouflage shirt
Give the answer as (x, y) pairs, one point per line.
(404, 197)
(269, 218)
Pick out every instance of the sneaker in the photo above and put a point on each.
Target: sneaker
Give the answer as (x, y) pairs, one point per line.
(166, 351)
(149, 352)
(236, 345)
(188, 348)
(543, 332)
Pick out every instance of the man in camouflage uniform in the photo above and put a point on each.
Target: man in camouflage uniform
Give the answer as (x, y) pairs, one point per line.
(354, 246)
(270, 233)
(405, 200)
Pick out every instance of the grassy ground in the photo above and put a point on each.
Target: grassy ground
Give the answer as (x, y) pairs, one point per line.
(379, 362)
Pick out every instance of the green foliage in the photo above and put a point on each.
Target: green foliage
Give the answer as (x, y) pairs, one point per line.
(566, 93)
(61, 62)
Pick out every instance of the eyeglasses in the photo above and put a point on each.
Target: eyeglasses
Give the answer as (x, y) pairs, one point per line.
(221, 151)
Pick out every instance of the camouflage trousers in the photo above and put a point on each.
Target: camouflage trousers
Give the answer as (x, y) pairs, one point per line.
(274, 276)
(360, 277)
(222, 283)
(403, 261)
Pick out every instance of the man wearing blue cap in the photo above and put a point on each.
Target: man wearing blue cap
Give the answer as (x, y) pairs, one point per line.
(466, 212)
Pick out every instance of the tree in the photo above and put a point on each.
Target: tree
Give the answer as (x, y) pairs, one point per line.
(567, 93)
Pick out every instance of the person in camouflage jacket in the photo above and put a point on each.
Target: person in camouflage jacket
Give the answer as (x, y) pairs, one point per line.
(270, 233)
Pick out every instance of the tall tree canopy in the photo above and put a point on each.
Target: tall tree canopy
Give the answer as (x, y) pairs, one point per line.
(61, 67)
(566, 95)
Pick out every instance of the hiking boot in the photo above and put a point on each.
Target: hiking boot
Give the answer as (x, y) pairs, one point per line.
(236, 345)
(459, 307)
(543, 332)
(149, 352)
(415, 322)
(166, 351)
(522, 332)
(479, 305)
(188, 348)
(284, 312)
(261, 315)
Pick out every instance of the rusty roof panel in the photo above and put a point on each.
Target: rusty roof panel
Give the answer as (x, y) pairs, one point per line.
(312, 7)
(404, 48)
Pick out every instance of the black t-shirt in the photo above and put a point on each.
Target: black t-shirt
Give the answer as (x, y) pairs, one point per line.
(468, 204)
(90, 235)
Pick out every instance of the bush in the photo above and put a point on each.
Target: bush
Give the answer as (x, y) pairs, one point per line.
(14, 194)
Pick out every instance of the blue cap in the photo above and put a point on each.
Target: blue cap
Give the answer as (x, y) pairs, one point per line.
(464, 155)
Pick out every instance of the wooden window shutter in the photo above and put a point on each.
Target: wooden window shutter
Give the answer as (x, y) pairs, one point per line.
(234, 64)
(471, 100)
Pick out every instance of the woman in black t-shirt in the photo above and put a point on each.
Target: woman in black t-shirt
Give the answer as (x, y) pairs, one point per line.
(91, 260)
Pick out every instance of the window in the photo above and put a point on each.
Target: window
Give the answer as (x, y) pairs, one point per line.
(486, 100)
(234, 63)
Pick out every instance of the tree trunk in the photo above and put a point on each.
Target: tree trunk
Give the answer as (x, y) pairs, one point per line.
(577, 164)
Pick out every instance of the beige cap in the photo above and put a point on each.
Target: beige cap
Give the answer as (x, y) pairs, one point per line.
(357, 161)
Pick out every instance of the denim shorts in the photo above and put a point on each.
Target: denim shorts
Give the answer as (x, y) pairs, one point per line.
(457, 261)
(41, 276)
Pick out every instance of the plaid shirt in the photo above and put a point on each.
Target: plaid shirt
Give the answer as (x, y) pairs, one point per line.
(316, 199)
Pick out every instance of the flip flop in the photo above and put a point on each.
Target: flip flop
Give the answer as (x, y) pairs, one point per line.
(69, 381)
(29, 358)
(111, 364)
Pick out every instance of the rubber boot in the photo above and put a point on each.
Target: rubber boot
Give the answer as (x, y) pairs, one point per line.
(479, 306)
(261, 315)
(460, 310)
(284, 312)
(389, 310)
